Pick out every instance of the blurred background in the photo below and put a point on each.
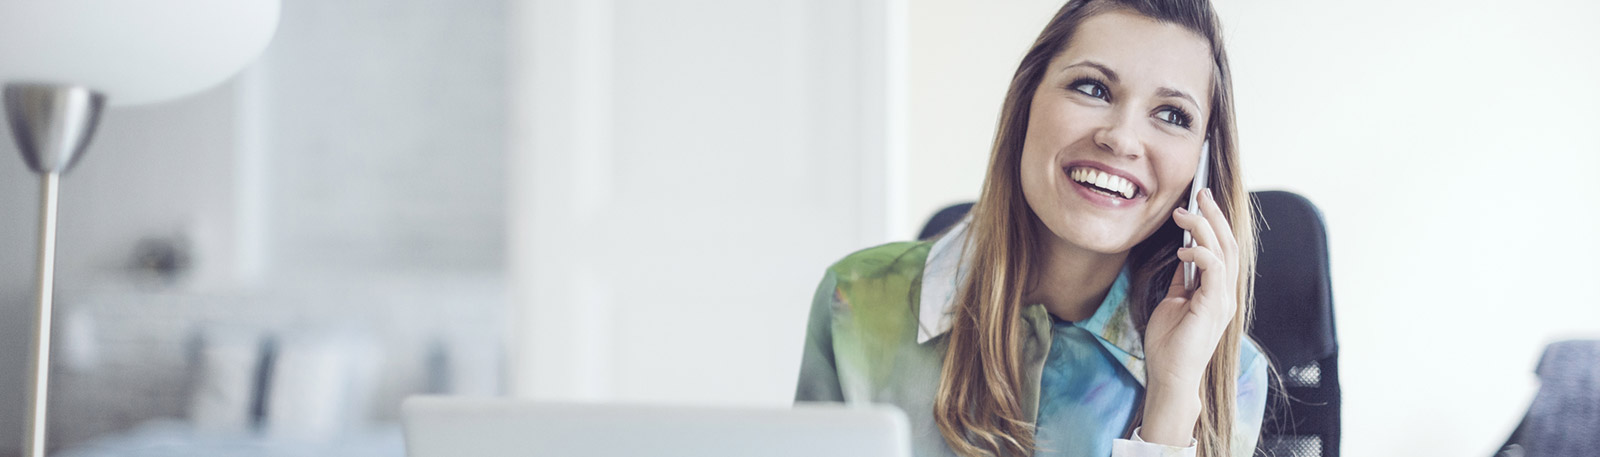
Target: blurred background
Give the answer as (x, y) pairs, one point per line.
(624, 200)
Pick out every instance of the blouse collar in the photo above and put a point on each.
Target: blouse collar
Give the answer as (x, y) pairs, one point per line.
(1111, 324)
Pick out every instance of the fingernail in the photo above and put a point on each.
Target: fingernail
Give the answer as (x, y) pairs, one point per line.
(1208, 194)
(1181, 210)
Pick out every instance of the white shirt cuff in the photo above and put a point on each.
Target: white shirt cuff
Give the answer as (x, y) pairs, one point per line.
(1138, 447)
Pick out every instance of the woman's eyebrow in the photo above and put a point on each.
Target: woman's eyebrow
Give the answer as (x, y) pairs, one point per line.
(1110, 75)
(1170, 92)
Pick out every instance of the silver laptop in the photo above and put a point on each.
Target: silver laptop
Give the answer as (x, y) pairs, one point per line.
(462, 427)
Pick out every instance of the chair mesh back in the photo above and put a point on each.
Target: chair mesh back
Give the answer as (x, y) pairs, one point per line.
(1290, 445)
(1294, 326)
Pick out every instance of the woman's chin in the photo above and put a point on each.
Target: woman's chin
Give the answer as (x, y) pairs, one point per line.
(1096, 240)
(1107, 246)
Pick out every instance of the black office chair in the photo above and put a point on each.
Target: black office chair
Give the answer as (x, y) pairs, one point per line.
(943, 219)
(1294, 324)
(1564, 419)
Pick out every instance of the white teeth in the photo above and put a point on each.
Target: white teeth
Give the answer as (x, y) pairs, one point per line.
(1104, 180)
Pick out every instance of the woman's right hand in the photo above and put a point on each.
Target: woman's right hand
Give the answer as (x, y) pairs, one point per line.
(1185, 328)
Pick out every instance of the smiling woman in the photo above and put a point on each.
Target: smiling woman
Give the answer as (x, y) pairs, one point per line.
(1054, 321)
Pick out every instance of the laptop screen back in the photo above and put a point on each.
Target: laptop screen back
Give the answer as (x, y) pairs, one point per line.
(458, 427)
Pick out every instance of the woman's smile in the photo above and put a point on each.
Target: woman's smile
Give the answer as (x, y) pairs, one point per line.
(1104, 186)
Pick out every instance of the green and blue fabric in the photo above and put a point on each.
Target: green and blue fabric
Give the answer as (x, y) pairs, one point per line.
(876, 336)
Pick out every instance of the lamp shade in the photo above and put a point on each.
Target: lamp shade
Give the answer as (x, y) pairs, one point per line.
(133, 51)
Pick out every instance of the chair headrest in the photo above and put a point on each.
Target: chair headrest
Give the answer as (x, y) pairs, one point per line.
(1294, 298)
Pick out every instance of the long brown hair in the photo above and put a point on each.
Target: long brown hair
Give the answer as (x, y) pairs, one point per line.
(978, 405)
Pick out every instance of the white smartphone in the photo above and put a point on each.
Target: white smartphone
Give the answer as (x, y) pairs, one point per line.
(1190, 273)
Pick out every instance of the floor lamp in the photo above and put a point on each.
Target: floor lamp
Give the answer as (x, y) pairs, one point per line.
(62, 61)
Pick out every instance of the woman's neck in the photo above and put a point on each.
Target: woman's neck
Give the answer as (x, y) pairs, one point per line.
(1071, 281)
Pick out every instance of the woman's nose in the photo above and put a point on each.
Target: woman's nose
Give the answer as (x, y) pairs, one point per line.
(1119, 136)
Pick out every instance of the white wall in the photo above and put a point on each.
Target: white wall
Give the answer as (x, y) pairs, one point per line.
(681, 174)
(961, 57)
(1449, 145)
(382, 136)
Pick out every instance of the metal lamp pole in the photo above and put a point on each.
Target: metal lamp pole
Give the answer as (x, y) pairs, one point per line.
(52, 125)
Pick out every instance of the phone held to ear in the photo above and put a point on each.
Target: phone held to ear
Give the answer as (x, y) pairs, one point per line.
(1190, 273)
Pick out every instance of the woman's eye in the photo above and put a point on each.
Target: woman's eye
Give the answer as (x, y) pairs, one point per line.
(1174, 116)
(1090, 88)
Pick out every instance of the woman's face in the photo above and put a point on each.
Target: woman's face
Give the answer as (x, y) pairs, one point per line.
(1114, 130)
